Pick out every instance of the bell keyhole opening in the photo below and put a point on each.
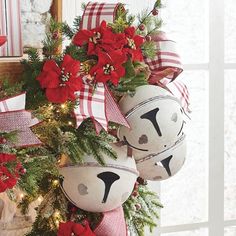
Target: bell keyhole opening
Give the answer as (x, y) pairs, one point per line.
(151, 116)
(166, 164)
(108, 178)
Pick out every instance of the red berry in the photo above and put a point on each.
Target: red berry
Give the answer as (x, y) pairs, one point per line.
(22, 170)
(74, 209)
(55, 35)
(155, 12)
(135, 194)
(138, 206)
(142, 27)
(148, 38)
(2, 140)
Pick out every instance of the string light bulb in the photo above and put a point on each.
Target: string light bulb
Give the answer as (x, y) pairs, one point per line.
(57, 214)
(40, 199)
(55, 182)
(63, 106)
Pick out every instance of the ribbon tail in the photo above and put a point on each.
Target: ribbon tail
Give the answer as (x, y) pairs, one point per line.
(112, 110)
(26, 138)
(112, 223)
(180, 90)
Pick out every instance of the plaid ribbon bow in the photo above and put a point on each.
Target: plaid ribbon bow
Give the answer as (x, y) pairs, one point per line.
(165, 67)
(13, 117)
(95, 13)
(166, 63)
(99, 105)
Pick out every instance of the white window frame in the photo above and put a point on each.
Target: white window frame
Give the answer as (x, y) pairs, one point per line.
(216, 68)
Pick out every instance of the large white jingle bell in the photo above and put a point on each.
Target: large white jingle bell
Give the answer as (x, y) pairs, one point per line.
(156, 120)
(96, 188)
(165, 164)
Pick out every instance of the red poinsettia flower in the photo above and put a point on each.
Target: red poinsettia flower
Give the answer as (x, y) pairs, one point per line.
(60, 82)
(133, 45)
(7, 179)
(109, 67)
(99, 39)
(4, 158)
(66, 229)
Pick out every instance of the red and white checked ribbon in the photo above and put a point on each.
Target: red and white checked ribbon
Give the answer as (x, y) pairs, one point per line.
(165, 67)
(167, 62)
(180, 90)
(112, 224)
(10, 25)
(13, 103)
(13, 117)
(95, 13)
(99, 105)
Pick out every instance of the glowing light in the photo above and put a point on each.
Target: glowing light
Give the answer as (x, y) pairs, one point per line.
(57, 214)
(63, 106)
(22, 195)
(55, 182)
(70, 123)
(57, 222)
(40, 199)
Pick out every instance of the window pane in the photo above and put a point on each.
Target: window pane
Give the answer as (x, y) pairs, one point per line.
(186, 22)
(230, 147)
(230, 31)
(230, 231)
(199, 232)
(184, 196)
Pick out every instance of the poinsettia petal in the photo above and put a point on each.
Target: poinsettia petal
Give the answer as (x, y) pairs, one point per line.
(70, 65)
(82, 37)
(3, 186)
(7, 157)
(137, 55)
(57, 95)
(92, 48)
(49, 79)
(51, 65)
(118, 57)
(121, 71)
(130, 31)
(11, 182)
(75, 83)
(104, 58)
(71, 94)
(138, 40)
(115, 77)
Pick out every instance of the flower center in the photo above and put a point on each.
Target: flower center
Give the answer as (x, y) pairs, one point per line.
(131, 43)
(95, 38)
(107, 69)
(65, 76)
(3, 177)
